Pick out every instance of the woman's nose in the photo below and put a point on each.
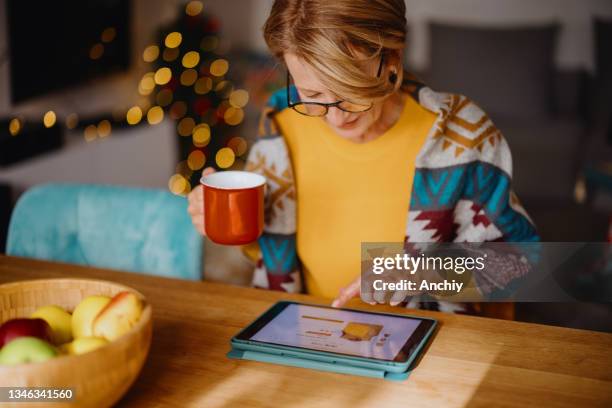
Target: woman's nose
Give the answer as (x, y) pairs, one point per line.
(336, 117)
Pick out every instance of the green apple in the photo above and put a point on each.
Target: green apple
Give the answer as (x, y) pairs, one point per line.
(59, 320)
(26, 350)
(85, 313)
(84, 345)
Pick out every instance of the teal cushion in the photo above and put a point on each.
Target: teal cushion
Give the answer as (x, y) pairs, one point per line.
(138, 230)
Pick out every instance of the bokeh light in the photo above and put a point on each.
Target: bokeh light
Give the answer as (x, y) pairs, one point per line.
(150, 53)
(188, 77)
(183, 169)
(239, 98)
(108, 34)
(173, 39)
(104, 128)
(72, 121)
(164, 97)
(193, 8)
(219, 67)
(178, 184)
(90, 133)
(96, 51)
(49, 119)
(201, 135)
(170, 54)
(133, 115)
(238, 145)
(203, 85)
(185, 126)
(196, 160)
(155, 115)
(233, 116)
(191, 59)
(163, 76)
(14, 126)
(178, 110)
(225, 157)
(146, 84)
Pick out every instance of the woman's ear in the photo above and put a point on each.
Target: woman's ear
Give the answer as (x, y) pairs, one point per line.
(393, 65)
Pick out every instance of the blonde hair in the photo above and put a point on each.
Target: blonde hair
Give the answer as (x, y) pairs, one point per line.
(335, 38)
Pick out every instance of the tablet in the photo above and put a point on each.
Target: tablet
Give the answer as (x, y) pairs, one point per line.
(381, 338)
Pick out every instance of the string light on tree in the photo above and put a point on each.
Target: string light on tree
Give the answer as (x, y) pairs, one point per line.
(162, 76)
(187, 81)
(90, 133)
(150, 53)
(49, 119)
(185, 126)
(72, 121)
(225, 157)
(133, 115)
(193, 8)
(173, 39)
(108, 34)
(196, 160)
(104, 128)
(14, 126)
(155, 115)
(178, 184)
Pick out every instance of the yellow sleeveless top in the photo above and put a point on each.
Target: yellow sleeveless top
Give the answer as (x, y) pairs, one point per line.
(349, 193)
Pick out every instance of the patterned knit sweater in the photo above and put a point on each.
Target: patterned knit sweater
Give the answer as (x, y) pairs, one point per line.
(461, 190)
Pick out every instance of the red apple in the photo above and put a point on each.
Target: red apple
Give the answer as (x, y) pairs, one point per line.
(15, 328)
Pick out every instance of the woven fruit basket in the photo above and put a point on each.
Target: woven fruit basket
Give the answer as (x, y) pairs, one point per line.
(97, 378)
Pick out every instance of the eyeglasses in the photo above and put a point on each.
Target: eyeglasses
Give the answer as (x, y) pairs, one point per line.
(320, 108)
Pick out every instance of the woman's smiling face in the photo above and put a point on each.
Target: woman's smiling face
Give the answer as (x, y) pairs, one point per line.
(350, 126)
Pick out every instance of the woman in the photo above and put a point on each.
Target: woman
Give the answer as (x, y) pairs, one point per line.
(366, 152)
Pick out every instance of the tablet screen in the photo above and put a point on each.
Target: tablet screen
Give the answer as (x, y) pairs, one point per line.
(350, 332)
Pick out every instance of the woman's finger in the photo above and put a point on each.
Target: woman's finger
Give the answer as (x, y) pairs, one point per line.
(398, 297)
(207, 171)
(347, 293)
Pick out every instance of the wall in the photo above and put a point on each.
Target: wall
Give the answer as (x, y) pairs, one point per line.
(242, 21)
(574, 48)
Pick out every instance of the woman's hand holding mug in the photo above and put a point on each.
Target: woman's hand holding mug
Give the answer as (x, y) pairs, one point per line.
(227, 206)
(196, 204)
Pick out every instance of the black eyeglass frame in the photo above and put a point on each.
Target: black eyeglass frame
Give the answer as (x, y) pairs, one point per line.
(326, 105)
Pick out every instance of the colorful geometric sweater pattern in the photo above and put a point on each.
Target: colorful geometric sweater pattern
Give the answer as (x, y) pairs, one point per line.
(461, 189)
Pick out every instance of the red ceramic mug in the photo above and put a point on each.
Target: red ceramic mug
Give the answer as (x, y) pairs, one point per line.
(233, 206)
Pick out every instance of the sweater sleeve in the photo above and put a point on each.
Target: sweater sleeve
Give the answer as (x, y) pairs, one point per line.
(462, 189)
(462, 192)
(275, 255)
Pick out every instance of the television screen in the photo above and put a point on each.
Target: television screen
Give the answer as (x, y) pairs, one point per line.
(55, 44)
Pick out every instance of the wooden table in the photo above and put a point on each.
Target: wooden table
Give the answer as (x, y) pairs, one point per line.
(472, 361)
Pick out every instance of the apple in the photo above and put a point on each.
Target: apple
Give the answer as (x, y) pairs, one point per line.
(59, 320)
(118, 316)
(26, 349)
(15, 328)
(84, 345)
(85, 313)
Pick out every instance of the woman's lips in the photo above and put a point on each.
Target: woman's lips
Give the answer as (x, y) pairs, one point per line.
(349, 125)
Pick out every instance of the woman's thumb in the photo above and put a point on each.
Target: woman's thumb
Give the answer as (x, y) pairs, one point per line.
(207, 171)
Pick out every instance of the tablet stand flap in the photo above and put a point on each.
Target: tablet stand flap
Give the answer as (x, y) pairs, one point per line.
(313, 364)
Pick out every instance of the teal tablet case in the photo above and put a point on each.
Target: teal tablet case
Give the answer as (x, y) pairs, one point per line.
(317, 365)
(258, 353)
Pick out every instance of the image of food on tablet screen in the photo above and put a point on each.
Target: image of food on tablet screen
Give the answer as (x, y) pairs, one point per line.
(360, 331)
(341, 331)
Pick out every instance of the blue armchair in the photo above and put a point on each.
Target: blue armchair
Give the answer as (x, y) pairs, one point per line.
(138, 230)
